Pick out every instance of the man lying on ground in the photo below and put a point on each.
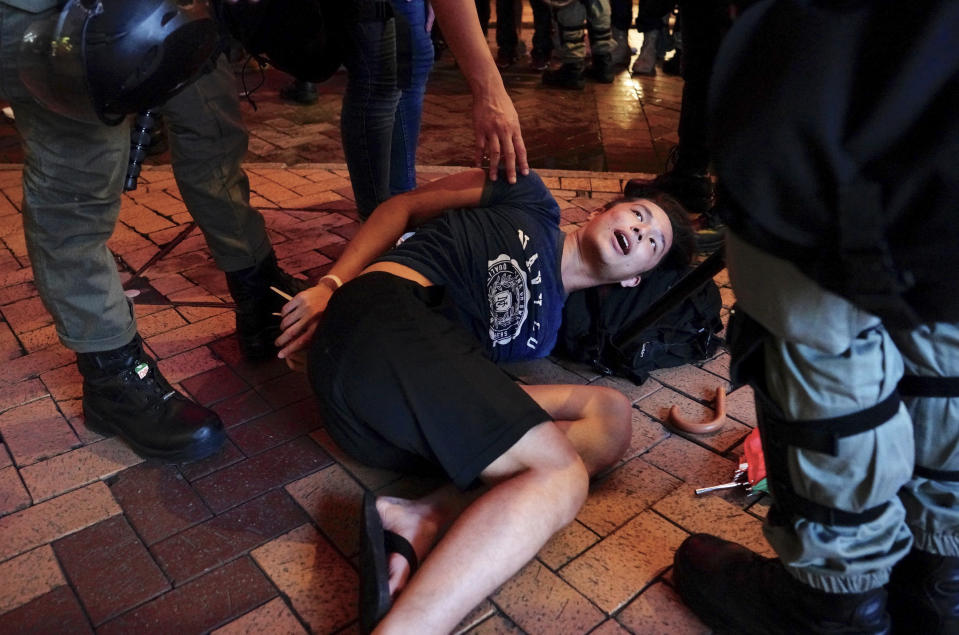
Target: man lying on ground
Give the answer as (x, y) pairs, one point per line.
(404, 364)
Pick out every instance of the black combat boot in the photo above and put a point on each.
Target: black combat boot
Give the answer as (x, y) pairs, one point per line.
(734, 590)
(694, 191)
(125, 394)
(602, 69)
(566, 76)
(256, 303)
(924, 594)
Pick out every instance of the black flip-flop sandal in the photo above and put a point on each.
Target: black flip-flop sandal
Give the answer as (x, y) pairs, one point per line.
(375, 545)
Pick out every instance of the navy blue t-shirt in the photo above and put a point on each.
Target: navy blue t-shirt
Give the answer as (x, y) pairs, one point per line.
(500, 263)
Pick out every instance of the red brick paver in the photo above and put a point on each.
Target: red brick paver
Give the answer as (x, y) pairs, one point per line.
(110, 569)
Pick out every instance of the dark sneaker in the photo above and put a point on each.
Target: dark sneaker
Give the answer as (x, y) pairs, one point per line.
(734, 590)
(924, 594)
(602, 69)
(256, 303)
(539, 60)
(694, 191)
(300, 92)
(566, 76)
(125, 394)
(505, 59)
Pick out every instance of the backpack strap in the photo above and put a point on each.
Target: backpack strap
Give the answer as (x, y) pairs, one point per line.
(687, 286)
(599, 331)
(930, 387)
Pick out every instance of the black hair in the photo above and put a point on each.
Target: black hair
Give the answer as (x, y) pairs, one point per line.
(683, 247)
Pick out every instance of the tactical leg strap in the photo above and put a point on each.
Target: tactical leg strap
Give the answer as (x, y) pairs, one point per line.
(923, 386)
(600, 34)
(746, 338)
(573, 34)
(820, 435)
(919, 387)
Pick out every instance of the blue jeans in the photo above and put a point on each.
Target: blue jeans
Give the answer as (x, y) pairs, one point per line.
(380, 121)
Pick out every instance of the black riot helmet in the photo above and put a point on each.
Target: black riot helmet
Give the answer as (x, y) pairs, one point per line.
(100, 60)
(305, 38)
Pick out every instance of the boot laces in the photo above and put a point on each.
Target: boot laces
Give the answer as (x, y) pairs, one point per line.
(145, 376)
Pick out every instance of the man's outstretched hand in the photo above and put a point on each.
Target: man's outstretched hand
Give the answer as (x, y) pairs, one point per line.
(495, 122)
(498, 136)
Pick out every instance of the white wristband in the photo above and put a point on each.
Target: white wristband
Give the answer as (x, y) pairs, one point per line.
(332, 278)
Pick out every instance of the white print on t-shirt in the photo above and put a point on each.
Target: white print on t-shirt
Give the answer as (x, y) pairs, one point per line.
(507, 289)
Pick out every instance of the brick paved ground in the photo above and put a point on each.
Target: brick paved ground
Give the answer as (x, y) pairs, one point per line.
(262, 537)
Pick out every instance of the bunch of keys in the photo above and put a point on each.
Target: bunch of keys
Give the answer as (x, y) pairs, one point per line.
(740, 479)
(752, 469)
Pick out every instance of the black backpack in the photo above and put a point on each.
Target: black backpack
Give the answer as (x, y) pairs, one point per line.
(600, 325)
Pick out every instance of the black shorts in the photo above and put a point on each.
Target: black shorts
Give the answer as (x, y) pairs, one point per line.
(403, 385)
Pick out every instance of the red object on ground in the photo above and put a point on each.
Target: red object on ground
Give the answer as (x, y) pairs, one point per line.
(753, 453)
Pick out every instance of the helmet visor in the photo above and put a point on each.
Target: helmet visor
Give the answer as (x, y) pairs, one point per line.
(52, 61)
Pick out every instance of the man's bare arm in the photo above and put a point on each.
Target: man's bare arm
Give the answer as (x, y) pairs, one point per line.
(379, 233)
(495, 121)
(404, 212)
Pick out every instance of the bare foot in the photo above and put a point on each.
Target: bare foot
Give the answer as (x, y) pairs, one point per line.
(418, 522)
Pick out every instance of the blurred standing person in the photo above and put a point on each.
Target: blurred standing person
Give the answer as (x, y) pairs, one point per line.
(388, 61)
(509, 15)
(703, 25)
(621, 19)
(573, 20)
(388, 55)
(651, 23)
(382, 107)
(542, 49)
